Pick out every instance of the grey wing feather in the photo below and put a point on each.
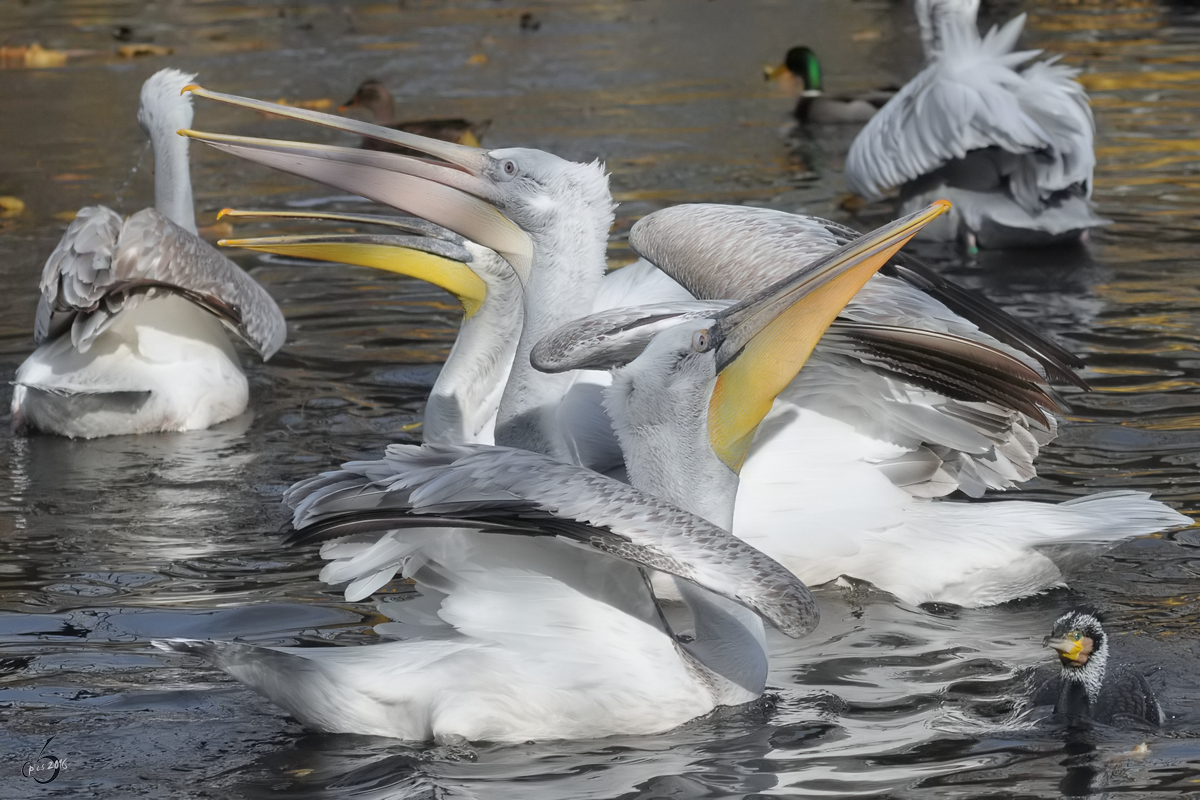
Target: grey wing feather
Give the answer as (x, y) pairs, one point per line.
(972, 97)
(507, 490)
(102, 267)
(77, 274)
(728, 252)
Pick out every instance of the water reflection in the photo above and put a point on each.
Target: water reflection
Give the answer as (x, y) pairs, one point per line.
(106, 544)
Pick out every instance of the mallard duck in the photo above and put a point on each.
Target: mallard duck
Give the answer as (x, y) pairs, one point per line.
(818, 107)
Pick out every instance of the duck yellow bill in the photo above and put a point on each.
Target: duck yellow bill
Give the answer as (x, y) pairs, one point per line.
(434, 261)
(774, 73)
(456, 195)
(768, 338)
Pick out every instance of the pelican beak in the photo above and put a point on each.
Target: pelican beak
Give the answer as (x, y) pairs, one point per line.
(442, 261)
(455, 192)
(1071, 652)
(762, 342)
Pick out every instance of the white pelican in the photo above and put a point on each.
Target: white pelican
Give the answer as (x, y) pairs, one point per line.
(1009, 146)
(130, 320)
(466, 395)
(855, 448)
(545, 626)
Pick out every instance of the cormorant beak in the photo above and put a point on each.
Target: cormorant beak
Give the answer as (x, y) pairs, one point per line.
(455, 192)
(763, 342)
(1071, 652)
(440, 260)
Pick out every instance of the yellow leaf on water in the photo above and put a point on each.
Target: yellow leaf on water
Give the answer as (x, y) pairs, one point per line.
(11, 206)
(142, 49)
(33, 56)
(68, 216)
(477, 59)
(38, 57)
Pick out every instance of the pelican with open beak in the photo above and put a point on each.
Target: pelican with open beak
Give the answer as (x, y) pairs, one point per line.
(545, 626)
(861, 439)
(466, 395)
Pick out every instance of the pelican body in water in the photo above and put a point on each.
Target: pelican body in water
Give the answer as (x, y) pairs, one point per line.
(1009, 143)
(545, 624)
(907, 403)
(129, 325)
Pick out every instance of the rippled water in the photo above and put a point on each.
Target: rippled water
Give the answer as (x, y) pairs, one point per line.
(106, 544)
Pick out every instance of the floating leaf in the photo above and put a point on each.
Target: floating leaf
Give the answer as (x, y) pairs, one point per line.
(142, 49)
(868, 35)
(32, 57)
(11, 206)
(477, 59)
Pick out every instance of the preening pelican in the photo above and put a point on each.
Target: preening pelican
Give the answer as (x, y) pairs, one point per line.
(815, 104)
(374, 97)
(868, 433)
(1009, 145)
(545, 624)
(130, 319)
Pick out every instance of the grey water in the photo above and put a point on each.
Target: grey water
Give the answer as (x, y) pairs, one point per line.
(109, 543)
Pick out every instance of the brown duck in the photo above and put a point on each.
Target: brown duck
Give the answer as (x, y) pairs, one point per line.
(374, 96)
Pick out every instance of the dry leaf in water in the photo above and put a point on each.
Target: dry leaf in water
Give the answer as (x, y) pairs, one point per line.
(142, 49)
(11, 206)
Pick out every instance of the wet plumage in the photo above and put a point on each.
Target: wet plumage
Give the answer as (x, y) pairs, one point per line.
(1091, 685)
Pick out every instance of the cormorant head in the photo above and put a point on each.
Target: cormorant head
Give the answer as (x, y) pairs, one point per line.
(1078, 637)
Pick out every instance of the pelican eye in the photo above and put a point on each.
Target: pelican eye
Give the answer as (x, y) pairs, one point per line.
(700, 341)
(509, 168)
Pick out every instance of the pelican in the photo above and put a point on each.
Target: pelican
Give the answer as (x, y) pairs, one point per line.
(1009, 145)
(465, 397)
(546, 627)
(815, 105)
(856, 448)
(374, 96)
(129, 325)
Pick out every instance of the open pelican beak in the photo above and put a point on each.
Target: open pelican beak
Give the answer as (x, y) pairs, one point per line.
(762, 342)
(440, 260)
(455, 192)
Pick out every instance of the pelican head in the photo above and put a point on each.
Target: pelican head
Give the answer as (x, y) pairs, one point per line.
(713, 374)
(497, 198)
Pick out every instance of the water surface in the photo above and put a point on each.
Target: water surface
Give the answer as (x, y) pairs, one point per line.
(107, 544)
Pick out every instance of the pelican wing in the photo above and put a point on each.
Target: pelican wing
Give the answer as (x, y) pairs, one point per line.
(971, 98)
(103, 266)
(503, 490)
(687, 243)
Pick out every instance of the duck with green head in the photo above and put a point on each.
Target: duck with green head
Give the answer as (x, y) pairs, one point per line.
(818, 107)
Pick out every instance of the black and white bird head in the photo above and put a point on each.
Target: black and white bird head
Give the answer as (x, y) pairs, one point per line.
(1082, 646)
